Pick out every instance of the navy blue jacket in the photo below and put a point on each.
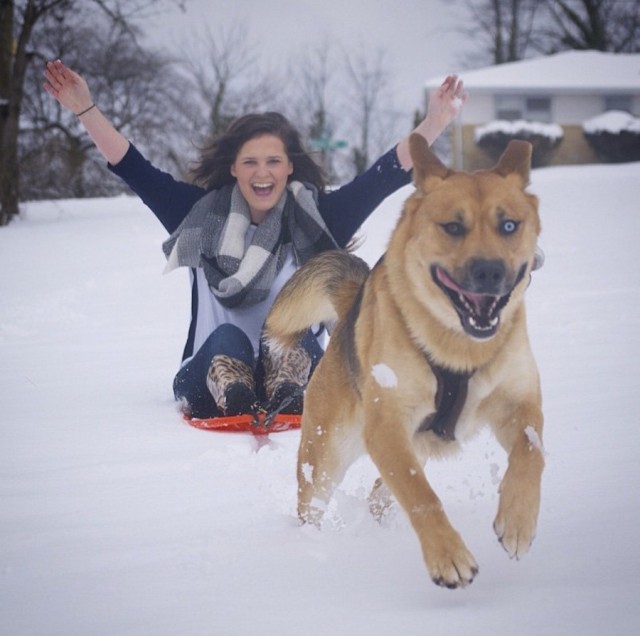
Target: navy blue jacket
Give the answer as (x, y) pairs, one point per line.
(343, 210)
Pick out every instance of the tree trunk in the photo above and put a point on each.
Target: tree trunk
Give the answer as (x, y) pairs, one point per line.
(8, 151)
(14, 60)
(498, 52)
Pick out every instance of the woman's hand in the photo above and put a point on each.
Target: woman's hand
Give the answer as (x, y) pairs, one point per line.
(72, 92)
(444, 106)
(67, 87)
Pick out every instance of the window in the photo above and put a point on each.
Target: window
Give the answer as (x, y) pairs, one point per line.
(513, 107)
(538, 109)
(617, 102)
(508, 107)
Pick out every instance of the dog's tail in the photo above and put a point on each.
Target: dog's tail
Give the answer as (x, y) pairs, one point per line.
(321, 291)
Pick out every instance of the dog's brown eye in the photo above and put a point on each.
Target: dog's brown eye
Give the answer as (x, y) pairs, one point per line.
(454, 229)
(508, 226)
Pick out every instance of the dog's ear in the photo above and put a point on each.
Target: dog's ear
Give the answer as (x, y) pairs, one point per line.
(516, 159)
(426, 164)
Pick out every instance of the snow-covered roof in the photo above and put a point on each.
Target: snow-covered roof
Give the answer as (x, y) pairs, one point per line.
(569, 71)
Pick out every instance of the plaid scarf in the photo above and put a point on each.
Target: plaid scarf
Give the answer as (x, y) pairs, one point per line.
(212, 236)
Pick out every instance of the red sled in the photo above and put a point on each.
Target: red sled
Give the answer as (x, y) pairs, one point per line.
(246, 423)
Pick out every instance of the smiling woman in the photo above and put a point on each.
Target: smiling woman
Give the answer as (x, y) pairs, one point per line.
(262, 169)
(255, 211)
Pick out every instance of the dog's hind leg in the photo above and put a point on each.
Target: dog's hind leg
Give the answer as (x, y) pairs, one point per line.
(324, 456)
(380, 499)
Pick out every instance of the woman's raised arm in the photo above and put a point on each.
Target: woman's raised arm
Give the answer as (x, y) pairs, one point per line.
(444, 106)
(72, 92)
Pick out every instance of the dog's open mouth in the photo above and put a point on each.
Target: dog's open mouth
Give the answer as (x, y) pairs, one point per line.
(479, 312)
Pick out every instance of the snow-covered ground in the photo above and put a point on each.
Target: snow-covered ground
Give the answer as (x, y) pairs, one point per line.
(118, 518)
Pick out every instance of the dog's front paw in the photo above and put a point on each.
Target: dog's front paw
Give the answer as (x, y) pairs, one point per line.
(515, 538)
(515, 523)
(452, 567)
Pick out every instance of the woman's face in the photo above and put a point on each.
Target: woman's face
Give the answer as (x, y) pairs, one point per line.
(261, 169)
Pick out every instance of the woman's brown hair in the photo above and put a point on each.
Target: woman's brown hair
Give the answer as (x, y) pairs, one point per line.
(213, 170)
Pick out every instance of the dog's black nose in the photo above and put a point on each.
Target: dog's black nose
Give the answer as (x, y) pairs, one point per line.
(487, 276)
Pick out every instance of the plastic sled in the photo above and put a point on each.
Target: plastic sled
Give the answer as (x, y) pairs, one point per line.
(246, 423)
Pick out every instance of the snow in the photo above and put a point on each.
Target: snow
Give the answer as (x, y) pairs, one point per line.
(534, 439)
(551, 131)
(613, 121)
(307, 472)
(118, 518)
(578, 71)
(384, 376)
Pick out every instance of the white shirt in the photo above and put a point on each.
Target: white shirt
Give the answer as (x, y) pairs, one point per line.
(211, 313)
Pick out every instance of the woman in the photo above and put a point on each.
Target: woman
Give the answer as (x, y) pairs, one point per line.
(257, 209)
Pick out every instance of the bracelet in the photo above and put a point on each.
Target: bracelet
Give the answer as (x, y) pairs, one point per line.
(86, 110)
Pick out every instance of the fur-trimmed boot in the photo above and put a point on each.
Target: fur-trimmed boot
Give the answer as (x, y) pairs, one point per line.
(286, 375)
(232, 385)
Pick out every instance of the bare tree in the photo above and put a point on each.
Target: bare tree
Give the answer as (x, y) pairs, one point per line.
(314, 95)
(136, 88)
(18, 50)
(510, 30)
(226, 79)
(501, 30)
(368, 94)
(602, 25)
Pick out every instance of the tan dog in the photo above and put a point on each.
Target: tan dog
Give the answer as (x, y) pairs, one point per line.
(428, 346)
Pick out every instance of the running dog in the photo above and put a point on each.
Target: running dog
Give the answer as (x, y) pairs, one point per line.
(426, 347)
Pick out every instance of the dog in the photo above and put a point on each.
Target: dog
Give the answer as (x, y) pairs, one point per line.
(425, 348)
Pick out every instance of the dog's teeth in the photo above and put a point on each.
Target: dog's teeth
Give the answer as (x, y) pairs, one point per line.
(492, 324)
(466, 304)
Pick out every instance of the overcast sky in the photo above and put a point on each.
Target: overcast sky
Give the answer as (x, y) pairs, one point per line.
(417, 35)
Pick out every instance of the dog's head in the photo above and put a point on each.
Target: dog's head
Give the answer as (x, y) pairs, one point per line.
(473, 236)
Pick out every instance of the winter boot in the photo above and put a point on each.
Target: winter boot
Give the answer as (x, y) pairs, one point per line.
(232, 386)
(286, 375)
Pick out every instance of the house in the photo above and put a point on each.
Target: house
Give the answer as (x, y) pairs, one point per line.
(566, 89)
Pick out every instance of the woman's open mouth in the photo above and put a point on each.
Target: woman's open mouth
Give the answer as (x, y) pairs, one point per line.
(263, 189)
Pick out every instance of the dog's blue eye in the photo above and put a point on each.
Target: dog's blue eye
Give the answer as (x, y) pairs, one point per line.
(508, 226)
(454, 229)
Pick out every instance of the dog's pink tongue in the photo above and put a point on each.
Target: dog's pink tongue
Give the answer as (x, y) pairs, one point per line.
(445, 280)
(476, 300)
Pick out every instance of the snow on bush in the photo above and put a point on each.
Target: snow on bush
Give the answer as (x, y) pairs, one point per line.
(494, 137)
(519, 129)
(614, 136)
(613, 121)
